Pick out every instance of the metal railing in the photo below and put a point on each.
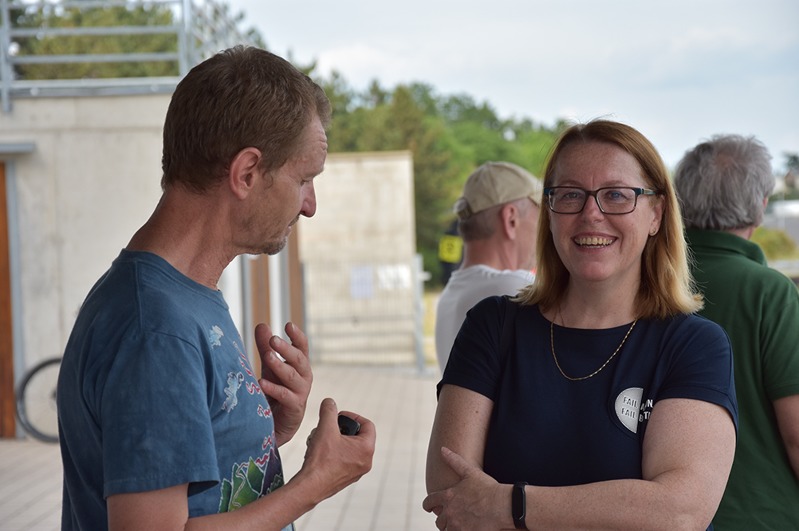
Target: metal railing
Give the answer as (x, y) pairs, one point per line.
(199, 29)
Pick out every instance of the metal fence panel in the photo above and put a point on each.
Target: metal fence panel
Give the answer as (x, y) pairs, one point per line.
(200, 30)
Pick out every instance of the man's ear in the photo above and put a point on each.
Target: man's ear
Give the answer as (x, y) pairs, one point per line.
(243, 171)
(509, 215)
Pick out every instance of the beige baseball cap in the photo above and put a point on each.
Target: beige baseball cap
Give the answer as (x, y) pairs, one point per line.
(497, 183)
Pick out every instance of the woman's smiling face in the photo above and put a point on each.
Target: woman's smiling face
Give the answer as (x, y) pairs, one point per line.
(594, 246)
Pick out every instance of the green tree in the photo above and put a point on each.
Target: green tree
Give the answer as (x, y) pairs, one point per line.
(792, 162)
(791, 176)
(534, 144)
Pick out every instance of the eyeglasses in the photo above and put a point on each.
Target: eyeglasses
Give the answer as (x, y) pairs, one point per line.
(610, 200)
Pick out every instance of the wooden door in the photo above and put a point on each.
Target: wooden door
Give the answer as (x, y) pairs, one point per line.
(7, 420)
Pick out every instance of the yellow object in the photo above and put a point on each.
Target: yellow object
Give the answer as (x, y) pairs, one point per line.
(450, 249)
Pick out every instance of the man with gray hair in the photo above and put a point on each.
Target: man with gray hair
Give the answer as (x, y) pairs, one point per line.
(498, 220)
(723, 186)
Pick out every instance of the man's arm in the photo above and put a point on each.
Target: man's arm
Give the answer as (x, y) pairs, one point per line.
(787, 412)
(332, 462)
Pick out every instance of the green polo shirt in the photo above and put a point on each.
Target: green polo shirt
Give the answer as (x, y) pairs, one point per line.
(759, 308)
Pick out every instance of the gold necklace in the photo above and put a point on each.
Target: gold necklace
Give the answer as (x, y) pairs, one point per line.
(552, 346)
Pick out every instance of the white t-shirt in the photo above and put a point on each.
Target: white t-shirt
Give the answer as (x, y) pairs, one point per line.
(465, 288)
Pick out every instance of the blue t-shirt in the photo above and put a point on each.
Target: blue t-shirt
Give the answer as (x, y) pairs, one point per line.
(156, 390)
(550, 431)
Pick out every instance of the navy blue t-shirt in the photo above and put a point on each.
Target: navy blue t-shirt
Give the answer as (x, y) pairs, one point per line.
(550, 431)
(156, 390)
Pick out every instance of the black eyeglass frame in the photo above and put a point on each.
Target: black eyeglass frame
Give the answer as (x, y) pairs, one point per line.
(637, 191)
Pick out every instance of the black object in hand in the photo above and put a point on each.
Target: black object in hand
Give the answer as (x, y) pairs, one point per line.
(348, 426)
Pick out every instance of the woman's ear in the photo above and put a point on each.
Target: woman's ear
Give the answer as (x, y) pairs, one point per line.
(657, 219)
(243, 171)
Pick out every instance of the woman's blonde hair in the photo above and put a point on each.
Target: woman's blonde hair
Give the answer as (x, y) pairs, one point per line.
(667, 287)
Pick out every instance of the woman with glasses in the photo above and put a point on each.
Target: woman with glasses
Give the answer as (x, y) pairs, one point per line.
(596, 398)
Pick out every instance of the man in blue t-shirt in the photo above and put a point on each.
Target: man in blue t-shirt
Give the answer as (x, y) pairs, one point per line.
(162, 418)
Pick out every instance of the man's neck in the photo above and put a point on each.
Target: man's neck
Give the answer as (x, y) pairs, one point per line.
(745, 233)
(491, 254)
(189, 234)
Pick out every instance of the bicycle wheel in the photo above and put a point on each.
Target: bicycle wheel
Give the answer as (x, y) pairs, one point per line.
(36, 401)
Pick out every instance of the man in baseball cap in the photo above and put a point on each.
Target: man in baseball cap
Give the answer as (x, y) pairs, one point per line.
(494, 184)
(498, 221)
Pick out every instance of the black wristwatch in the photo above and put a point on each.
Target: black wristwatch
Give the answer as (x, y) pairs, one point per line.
(519, 505)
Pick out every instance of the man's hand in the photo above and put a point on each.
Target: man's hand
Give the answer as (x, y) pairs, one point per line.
(286, 384)
(472, 503)
(332, 460)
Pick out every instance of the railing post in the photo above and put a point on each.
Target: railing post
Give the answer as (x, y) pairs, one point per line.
(185, 42)
(419, 278)
(6, 73)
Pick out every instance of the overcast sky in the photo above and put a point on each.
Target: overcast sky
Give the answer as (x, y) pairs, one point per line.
(678, 70)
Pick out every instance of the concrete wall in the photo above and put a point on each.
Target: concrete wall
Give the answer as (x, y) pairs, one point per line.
(92, 179)
(358, 254)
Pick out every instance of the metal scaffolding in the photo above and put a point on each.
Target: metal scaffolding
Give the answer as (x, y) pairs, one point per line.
(199, 29)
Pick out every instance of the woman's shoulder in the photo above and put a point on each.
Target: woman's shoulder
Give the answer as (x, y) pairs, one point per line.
(684, 321)
(498, 312)
(691, 327)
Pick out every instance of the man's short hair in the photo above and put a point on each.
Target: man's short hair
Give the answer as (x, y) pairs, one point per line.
(721, 183)
(241, 97)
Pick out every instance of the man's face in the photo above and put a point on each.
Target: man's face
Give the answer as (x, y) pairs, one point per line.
(286, 194)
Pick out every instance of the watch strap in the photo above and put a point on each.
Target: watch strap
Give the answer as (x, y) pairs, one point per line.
(519, 505)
